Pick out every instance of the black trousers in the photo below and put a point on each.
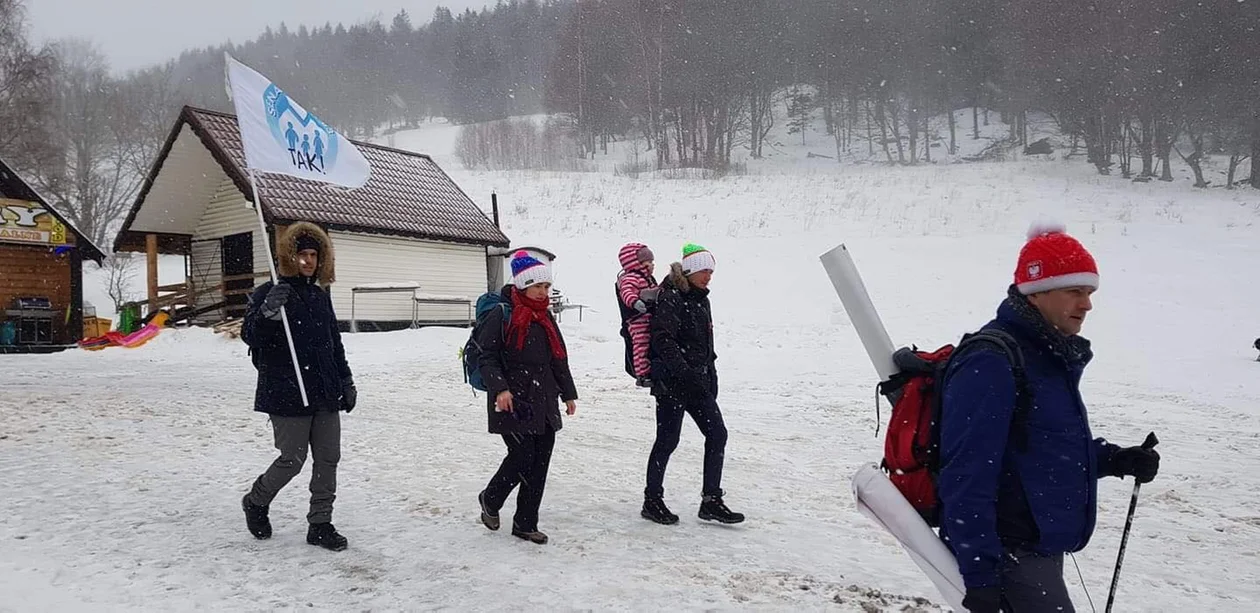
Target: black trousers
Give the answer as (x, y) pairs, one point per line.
(1034, 584)
(527, 462)
(670, 412)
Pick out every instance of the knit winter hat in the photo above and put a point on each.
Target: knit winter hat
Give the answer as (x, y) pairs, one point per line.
(633, 255)
(697, 258)
(306, 241)
(1053, 260)
(528, 271)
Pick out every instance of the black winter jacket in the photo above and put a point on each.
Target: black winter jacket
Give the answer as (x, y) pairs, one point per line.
(683, 359)
(319, 351)
(538, 380)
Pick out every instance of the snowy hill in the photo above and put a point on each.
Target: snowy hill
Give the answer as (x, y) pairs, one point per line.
(123, 486)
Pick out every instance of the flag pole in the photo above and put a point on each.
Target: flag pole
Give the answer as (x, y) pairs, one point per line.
(271, 266)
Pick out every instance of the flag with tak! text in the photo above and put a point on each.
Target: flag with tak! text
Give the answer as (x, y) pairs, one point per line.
(279, 136)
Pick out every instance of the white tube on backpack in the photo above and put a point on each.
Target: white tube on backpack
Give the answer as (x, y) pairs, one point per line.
(878, 499)
(857, 303)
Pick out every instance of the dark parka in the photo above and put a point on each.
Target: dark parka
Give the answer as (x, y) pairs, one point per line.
(683, 359)
(538, 380)
(315, 334)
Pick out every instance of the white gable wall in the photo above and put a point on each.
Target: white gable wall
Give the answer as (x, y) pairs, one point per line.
(227, 213)
(441, 269)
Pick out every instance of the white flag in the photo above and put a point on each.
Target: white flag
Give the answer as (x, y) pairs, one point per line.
(280, 136)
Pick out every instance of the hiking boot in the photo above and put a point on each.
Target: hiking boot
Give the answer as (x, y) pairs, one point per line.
(326, 536)
(491, 520)
(643, 382)
(713, 509)
(654, 509)
(533, 536)
(256, 519)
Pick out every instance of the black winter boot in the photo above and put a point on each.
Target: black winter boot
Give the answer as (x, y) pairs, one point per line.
(533, 536)
(654, 509)
(256, 519)
(713, 509)
(326, 536)
(491, 520)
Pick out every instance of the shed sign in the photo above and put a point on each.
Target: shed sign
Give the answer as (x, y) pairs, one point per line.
(29, 222)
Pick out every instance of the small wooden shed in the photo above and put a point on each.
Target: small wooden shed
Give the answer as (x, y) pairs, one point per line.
(41, 271)
(409, 229)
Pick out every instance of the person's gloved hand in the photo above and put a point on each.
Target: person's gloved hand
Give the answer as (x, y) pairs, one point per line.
(640, 306)
(277, 296)
(983, 600)
(650, 294)
(349, 394)
(1140, 462)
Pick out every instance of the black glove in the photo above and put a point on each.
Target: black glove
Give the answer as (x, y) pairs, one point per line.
(349, 394)
(276, 297)
(1140, 462)
(983, 600)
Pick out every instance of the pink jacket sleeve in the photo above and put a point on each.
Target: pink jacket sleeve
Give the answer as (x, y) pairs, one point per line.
(628, 288)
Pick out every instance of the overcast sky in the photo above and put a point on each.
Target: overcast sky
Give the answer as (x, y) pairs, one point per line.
(136, 33)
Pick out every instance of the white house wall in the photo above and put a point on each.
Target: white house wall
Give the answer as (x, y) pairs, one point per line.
(227, 213)
(441, 269)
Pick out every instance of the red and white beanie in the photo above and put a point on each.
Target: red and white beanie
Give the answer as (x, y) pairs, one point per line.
(1053, 260)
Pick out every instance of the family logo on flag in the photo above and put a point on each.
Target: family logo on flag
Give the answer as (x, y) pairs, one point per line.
(309, 153)
(280, 136)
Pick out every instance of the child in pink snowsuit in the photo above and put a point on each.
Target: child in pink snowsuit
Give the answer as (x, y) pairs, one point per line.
(636, 289)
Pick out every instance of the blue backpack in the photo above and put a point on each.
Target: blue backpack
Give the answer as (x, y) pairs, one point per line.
(470, 355)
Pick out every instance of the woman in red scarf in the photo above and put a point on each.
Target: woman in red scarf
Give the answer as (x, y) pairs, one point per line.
(525, 366)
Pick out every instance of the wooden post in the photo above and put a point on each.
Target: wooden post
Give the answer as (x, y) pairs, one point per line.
(150, 248)
(190, 287)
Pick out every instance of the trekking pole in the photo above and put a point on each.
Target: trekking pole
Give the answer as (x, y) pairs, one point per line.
(1149, 443)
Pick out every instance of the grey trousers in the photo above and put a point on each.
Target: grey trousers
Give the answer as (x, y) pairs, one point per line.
(322, 434)
(1034, 584)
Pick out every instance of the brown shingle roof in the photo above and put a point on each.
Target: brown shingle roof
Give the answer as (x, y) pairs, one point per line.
(407, 194)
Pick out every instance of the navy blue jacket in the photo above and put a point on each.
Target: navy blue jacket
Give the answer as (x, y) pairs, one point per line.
(995, 498)
(319, 351)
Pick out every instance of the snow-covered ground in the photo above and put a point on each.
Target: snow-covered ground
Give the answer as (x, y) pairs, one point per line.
(123, 469)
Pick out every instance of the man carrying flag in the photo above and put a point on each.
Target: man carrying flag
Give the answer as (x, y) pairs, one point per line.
(305, 254)
(305, 388)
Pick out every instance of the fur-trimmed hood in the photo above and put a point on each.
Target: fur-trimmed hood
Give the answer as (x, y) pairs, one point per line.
(678, 278)
(286, 252)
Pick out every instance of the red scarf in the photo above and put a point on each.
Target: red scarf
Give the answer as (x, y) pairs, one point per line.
(526, 311)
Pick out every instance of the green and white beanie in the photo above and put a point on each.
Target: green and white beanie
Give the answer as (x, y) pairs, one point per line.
(697, 258)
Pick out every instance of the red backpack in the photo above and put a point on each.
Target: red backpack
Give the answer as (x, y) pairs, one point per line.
(913, 443)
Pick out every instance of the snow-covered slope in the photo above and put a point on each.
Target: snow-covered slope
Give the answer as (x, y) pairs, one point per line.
(123, 469)
(123, 485)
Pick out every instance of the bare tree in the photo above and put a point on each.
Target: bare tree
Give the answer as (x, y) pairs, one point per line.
(97, 178)
(26, 85)
(121, 269)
